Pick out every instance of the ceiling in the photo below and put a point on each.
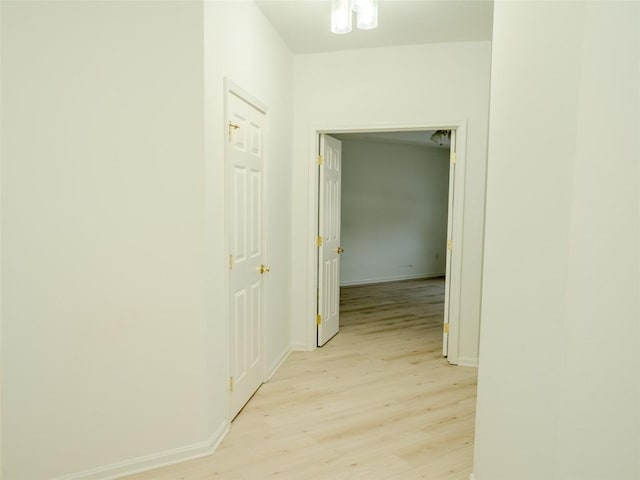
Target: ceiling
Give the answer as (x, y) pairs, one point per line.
(304, 24)
(417, 138)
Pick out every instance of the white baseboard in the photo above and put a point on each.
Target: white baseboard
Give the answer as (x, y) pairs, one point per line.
(278, 363)
(368, 281)
(156, 460)
(301, 347)
(468, 361)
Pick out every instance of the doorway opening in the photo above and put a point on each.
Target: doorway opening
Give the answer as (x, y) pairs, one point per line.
(395, 174)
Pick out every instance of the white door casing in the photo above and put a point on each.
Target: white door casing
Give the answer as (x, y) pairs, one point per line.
(329, 248)
(447, 284)
(454, 272)
(245, 131)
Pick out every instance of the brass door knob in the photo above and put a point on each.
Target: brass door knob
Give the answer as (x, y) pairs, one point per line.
(262, 269)
(339, 250)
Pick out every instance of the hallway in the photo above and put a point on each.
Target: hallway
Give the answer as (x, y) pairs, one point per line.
(377, 402)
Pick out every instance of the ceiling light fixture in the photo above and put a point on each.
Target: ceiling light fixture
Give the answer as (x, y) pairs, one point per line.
(441, 137)
(341, 15)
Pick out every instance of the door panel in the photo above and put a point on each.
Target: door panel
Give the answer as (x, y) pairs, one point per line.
(245, 164)
(329, 231)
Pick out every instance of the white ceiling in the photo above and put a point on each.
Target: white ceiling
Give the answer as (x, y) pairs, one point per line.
(304, 24)
(417, 138)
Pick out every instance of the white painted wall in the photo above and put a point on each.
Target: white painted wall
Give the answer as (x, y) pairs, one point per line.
(241, 44)
(104, 328)
(559, 371)
(394, 211)
(114, 334)
(423, 84)
(2, 475)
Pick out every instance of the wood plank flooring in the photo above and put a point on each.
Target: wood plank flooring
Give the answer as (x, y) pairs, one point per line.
(377, 402)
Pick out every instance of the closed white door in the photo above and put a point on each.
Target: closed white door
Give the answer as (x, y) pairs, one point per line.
(246, 226)
(329, 248)
(447, 281)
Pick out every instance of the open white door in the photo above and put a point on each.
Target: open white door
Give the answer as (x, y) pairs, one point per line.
(447, 284)
(245, 200)
(329, 248)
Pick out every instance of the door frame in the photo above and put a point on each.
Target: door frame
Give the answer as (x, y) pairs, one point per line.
(231, 88)
(460, 127)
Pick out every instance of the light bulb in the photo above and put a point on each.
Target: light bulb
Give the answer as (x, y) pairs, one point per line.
(340, 16)
(368, 15)
(358, 5)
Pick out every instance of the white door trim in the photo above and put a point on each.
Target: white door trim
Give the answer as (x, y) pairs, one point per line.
(312, 219)
(449, 253)
(231, 88)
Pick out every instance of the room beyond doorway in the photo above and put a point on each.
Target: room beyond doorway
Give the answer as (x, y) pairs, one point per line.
(394, 206)
(391, 199)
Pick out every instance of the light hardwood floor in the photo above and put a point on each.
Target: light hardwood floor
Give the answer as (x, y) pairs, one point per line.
(377, 402)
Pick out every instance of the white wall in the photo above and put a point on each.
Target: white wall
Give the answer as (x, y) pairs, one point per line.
(104, 345)
(394, 211)
(1, 356)
(114, 333)
(559, 368)
(417, 85)
(240, 44)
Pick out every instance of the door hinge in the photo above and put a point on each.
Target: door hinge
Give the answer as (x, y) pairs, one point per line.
(230, 262)
(319, 319)
(446, 329)
(449, 245)
(453, 158)
(320, 159)
(231, 384)
(319, 241)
